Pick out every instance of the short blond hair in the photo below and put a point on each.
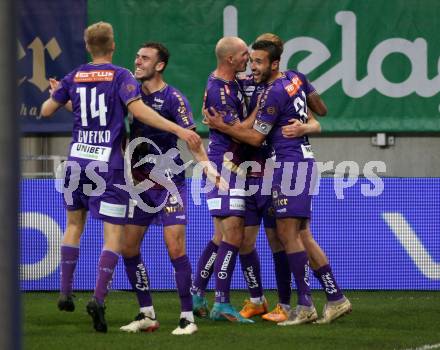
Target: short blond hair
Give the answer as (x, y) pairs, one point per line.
(272, 38)
(99, 39)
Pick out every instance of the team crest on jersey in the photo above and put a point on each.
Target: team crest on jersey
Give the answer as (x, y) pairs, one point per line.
(94, 76)
(271, 110)
(130, 87)
(293, 87)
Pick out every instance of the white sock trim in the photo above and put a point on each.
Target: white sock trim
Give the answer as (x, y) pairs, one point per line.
(148, 311)
(110, 251)
(188, 315)
(70, 245)
(258, 301)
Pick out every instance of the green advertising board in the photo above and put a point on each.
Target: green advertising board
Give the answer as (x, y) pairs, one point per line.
(376, 63)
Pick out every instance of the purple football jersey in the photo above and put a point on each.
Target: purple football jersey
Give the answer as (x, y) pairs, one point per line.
(282, 100)
(260, 155)
(100, 94)
(252, 90)
(226, 97)
(174, 106)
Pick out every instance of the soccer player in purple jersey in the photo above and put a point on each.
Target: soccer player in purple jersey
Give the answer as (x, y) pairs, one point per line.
(318, 260)
(228, 209)
(150, 63)
(282, 98)
(258, 208)
(100, 95)
(255, 305)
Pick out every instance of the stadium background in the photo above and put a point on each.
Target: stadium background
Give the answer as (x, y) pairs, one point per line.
(397, 102)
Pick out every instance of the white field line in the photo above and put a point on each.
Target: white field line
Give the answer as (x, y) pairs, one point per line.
(426, 347)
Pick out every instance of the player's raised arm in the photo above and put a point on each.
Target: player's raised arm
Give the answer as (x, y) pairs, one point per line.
(314, 100)
(148, 116)
(316, 104)
(49, 107)
(53, 85)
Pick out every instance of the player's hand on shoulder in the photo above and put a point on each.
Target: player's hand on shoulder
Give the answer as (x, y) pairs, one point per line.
(213, 118)
(295, 129)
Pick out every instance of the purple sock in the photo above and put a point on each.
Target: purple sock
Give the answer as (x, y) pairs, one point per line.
(106, 265)
(325, 276)
(223, 269)
(182, 268)
(140, 282)
(69, 258)
(250, 265)
(205, 268)
(299, 266)
(283, 277)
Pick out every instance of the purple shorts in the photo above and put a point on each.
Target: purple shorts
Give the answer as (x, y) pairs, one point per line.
(167, 209)
(259, 206)
(109, 204)
(292, 197)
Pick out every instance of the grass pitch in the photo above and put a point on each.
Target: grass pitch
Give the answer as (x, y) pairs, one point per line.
(380, 320)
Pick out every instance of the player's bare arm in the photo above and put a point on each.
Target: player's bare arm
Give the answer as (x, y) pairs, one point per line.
(49, 107)
(298, 129)
(250, 120)
(316, 104)
(237, 131)
(53, 85)
(148, 116)
(199, 154)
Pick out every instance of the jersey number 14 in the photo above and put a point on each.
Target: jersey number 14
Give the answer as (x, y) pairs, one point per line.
(94, 111)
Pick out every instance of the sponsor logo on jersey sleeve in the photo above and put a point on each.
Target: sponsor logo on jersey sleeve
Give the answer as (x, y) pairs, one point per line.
(293, 87)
